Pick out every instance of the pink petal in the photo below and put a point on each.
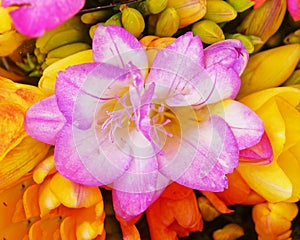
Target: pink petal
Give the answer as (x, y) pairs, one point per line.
(261, 153)
(231, 54)
(67, 160)
(34, 17)
(128, 205)
(227, 83)
(84, 158)
(247, 127)
(115, 45)
(178, 73)
(294, 9)
(202, 156)
(81, 90)
(43, 120)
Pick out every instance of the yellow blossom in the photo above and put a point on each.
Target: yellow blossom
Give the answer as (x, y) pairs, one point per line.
(279, 110)
(19, 153)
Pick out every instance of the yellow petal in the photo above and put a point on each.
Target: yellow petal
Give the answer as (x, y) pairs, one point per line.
(257, 99)
(43, 169)
(47, 81)
(285, 210)
(20, 160)
(290, 164)
(11, 127)
(291, 118)
(5, 20)
(10, 41)
(274, 125)
(72, 194)
(269, 181)
(19, 94)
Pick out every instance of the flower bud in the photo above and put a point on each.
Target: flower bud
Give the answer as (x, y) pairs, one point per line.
(167, 23)
(208, 211)
(293, 79)
(273, 220)
(241, 5)
(115, 19)
(219, 11)
(156, 6)
(133, 21)
(264, 21)
(231, 231)
(208, 31)
(190, 11)
(94, 17)
(265, 69)
(292, 37)
(246, 40)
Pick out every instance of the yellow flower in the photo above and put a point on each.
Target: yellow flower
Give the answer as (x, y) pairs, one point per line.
(279, 110)
(273, 220)
(19, 153)
(10, 39)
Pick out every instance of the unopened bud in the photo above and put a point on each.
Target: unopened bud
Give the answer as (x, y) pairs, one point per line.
(156, 6)
(241, 5)
(167, 23)
(208, 31)
(133, 21)
(219, 11)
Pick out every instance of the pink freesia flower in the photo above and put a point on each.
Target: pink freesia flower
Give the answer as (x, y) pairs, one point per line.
(34, 17)
(136, 128)
(293, 7)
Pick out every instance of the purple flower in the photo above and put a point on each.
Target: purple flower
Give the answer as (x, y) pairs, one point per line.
(136, 128)
(34, 17)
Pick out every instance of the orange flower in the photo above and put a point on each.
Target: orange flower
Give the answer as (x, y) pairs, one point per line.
(174, 214)
(54, 208)
(273, 220)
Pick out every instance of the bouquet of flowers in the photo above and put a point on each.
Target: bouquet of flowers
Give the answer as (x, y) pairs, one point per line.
(154, 119)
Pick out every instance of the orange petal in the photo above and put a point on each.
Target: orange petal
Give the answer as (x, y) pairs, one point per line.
(237, 191)
(72, 194)
(176, 191)
(15, 231)
(8, 200)
(47, 199)
(67, 229)
(45, 228)
(31, 201)
(217, 202)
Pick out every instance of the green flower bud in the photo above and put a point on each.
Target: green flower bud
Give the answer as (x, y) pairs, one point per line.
(167, 23)
(115, 19)
(294, 79)
(208, 31)
(94, 17)
(133, 21)
(292, 37)
(219, 11)
(156, 6)
(241, 5)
